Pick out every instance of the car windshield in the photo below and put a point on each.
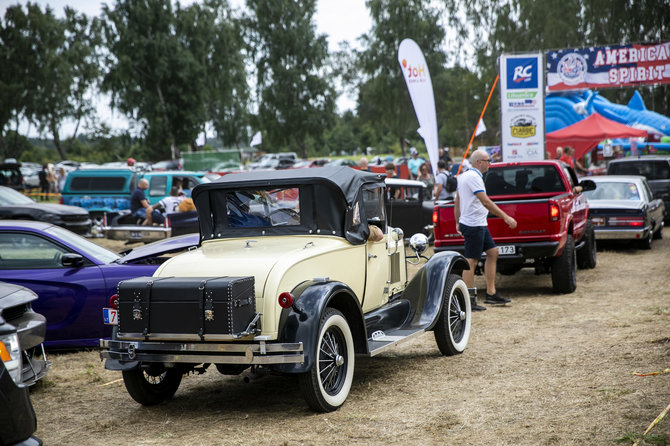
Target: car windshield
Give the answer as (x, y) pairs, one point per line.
(90, 248)
(10, 196)
(614, 191)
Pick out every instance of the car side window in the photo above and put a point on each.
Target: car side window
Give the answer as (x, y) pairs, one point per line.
(158, 186)
(375, 213)
(647, 191)
(29, 251)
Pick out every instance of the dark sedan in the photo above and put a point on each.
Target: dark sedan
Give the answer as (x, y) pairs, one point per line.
(73, 277)
(409, 208)
(623, 207)
(16, 206)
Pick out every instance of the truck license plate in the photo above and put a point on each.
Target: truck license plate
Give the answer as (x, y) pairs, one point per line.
(110, 316)
(505, 250)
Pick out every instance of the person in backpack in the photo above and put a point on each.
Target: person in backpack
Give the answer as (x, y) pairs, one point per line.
(445, 188)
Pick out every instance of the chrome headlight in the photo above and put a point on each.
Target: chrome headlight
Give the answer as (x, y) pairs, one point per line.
(10, 353)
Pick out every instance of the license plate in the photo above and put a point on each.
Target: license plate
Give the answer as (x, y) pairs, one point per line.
(506, 250)
(110, 316)
(135, 234)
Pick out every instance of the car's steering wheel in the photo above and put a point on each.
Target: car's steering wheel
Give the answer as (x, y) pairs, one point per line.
(292, 213)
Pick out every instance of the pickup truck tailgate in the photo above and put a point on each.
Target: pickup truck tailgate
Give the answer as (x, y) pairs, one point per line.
(532, 217)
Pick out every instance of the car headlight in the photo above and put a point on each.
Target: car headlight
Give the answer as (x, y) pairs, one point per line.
(10, 353)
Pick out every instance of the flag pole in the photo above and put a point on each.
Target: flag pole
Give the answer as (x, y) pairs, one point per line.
(477, 126)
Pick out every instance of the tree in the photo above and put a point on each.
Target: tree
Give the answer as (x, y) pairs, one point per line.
(153, 76)
(383, 96)
(295, 96)
(215, 39)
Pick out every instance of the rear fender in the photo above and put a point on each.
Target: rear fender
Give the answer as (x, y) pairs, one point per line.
(426, 289)
(311, 300)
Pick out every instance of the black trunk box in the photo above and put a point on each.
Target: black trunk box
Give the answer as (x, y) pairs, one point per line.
(186, 305)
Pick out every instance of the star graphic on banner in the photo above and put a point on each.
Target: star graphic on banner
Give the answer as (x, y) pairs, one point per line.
(586, 56)
(591, 49)
(554, 56)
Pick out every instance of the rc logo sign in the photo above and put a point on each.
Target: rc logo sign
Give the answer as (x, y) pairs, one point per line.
(522, 73)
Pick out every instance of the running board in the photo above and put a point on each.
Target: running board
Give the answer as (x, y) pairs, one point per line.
(381, 341)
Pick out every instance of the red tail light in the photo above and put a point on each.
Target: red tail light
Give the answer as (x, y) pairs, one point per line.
(114, 301)
(285, 300)
(626, 221)
(436, 217)
(554, 212)
(60, 200)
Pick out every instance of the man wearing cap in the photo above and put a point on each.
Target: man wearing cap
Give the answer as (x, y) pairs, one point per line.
(414, 163)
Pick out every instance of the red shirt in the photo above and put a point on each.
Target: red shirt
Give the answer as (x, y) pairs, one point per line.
(570, 161)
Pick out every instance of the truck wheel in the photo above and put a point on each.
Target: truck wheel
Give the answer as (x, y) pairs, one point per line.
(645, 243)
(564, 269)
(152, 386)
(586, 257)
(326, 385)
(452, 330)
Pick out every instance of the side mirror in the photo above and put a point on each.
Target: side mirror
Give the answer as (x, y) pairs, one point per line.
(587, 185)
(72, 260)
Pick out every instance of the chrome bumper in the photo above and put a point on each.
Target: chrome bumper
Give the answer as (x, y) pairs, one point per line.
(258, 353)
(137, 233)
(621, 234)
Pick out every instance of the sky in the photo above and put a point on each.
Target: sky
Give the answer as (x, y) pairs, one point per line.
(340, 20)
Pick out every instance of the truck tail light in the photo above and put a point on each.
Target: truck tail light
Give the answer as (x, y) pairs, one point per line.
(114, 301)
(60, 200)
(436, 217)
(637, 222)
(554, 212)
(285, 300)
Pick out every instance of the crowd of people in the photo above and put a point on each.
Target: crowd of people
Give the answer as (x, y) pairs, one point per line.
(148, 214)
(51, 180)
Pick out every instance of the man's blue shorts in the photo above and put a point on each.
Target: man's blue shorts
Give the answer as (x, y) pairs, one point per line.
(477, 240)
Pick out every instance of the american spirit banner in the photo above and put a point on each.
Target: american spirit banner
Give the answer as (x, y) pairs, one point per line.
(608, 66)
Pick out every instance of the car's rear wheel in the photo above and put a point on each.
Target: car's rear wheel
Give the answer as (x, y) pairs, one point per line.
(586, 257)
(153, 385)
(645, 243)
(452, 330)
(658, 235)
(326, 385)
(564, 269)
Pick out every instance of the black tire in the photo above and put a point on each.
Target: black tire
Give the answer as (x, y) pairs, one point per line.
(658, 235)
(326, 385)
(586, 257)
(452, 330)
(152, 386)
(645, 243)
(564, 269)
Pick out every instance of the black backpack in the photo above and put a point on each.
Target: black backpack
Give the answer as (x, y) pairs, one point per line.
(452, 183)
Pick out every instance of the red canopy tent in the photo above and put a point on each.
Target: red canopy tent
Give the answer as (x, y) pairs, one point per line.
(586, 134)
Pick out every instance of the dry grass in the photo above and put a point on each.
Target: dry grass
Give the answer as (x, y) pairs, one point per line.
(547, 369)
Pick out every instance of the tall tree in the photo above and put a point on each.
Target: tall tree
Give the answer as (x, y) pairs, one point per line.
(383, 96)
(295, 94)
(153, 76)
(215, 38)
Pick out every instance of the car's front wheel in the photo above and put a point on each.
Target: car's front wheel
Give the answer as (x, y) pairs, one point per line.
(452, 330)
(153, 385)
(326, 385)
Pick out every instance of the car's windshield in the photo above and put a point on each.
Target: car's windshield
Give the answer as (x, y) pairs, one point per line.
(10, 196)
(614, 191)
(90, 248)
(517, 179)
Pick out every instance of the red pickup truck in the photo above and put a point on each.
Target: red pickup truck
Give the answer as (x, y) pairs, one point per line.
(554, 233)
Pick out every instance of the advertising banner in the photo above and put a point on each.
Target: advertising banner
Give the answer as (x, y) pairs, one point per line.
(608, 66)
(522, 107)
(417, 77)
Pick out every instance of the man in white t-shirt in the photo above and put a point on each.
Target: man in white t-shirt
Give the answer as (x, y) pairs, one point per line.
(471, 207)
(169, 205)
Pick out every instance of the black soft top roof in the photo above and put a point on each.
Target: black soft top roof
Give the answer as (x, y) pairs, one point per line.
(344, 178)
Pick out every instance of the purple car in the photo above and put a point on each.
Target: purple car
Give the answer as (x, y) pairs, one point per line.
(74, 277)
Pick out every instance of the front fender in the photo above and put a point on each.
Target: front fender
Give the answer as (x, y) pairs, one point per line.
(426, 289)
(311, 299)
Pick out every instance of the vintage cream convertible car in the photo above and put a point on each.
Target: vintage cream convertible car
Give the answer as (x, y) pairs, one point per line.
(285, 280)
